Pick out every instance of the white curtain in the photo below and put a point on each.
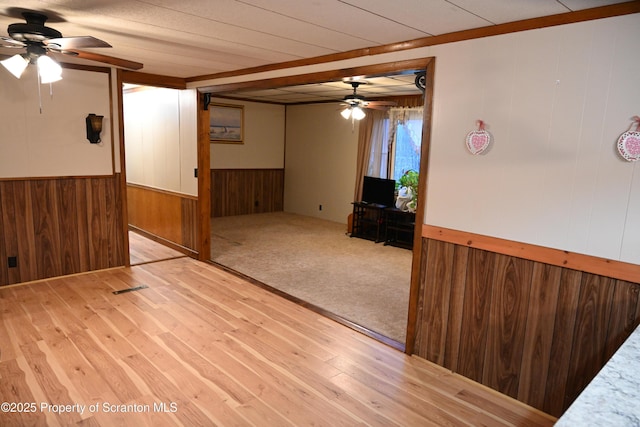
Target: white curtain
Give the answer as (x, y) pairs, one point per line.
(411, 118)
(371, 133)
(379, 155)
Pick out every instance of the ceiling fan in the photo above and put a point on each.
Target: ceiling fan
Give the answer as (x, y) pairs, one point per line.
(38, 41)
(355, 104)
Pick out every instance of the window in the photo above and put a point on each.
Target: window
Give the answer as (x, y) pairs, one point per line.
(396, 144)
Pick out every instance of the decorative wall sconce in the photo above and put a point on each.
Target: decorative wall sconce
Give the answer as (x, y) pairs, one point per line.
(206, 100)
(94, 127)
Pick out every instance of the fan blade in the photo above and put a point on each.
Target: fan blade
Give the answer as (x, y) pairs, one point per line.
(118, 62)
(377, 107)
(381, 103)
(66, 43)
(11, 43)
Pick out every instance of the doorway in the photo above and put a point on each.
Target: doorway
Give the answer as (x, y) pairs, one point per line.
(161, 194)
(371, 71)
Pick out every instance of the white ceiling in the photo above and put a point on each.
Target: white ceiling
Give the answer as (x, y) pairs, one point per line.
(188, 38)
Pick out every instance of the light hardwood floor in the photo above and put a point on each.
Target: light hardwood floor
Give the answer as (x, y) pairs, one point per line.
(215, 350)
(143, 250)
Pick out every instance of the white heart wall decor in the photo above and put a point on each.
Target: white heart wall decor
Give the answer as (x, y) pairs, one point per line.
(629, 146)
(629, 143)
(478, 140)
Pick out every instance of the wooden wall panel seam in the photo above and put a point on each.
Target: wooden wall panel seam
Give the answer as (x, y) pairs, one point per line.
(545, 285)
(454, 323)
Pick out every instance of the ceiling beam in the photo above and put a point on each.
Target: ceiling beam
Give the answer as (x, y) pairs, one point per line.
(147, 79)
(366, 71)
(491, 30)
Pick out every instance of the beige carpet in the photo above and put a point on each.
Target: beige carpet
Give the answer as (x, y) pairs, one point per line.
(316, 261)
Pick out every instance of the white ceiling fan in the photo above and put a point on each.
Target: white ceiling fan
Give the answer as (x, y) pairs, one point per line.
(37, 41)
(356, 104)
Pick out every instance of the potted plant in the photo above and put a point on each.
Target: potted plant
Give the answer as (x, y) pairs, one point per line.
(407, 187)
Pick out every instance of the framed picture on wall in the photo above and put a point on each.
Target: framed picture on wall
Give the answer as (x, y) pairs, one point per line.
(226, 123)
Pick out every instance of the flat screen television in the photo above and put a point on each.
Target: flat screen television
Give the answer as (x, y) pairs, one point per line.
(379, 191)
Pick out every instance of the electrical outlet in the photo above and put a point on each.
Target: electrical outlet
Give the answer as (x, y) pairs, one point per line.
(12, 261)
(319, 207)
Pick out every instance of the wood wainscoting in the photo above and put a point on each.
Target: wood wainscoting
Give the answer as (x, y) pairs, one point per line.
(532, 330)
(60, 226)
(246, 191)
(164, 216)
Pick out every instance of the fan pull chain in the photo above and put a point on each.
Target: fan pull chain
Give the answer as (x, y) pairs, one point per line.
(39, 93)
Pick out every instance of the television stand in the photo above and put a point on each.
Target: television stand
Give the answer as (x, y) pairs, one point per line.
(380, 223)
(368, 221)
(399, 226)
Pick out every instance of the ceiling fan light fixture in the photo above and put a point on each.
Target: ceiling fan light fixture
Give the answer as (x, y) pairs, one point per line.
(346, 113)
(358, 113)
(49, 70)
(16, 64)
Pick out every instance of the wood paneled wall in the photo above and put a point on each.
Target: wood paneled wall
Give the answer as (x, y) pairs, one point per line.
(169, 217)
(59, 226)
(531, 330)
(246, 191)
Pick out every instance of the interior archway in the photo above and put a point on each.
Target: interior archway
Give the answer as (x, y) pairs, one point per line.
(367, 72)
